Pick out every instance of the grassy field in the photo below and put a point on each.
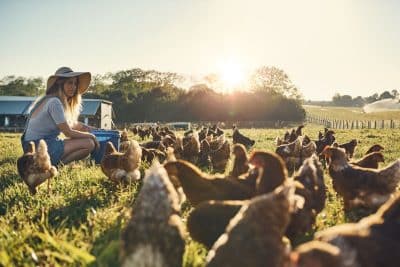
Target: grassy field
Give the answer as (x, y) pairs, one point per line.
(80, 221)
(343, 113)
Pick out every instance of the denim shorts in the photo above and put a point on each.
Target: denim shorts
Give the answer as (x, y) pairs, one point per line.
(55, 148)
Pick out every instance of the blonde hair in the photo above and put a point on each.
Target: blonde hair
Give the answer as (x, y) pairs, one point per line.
(72, 105)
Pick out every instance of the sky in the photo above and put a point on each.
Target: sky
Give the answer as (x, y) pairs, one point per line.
(326, 47)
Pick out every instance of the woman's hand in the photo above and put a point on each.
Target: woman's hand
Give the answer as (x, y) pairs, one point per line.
(89, 128)
(96, 143)
(83, 127)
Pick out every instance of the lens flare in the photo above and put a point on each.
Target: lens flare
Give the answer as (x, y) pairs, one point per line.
(231, 75)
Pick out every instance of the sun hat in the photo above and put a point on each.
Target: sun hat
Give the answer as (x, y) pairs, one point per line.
(65, 72)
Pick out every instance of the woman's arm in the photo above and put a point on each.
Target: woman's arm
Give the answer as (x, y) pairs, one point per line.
(82, 127)
(72, 133)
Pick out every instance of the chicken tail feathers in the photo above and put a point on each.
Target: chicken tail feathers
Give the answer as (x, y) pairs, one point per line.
(42, 158)
(391, 175)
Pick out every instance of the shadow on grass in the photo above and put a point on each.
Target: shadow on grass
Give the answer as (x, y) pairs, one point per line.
(76, 211)
(9, 160)
(9, 180)
(106, 247)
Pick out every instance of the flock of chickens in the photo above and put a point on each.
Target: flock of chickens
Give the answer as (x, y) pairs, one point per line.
(250, 216)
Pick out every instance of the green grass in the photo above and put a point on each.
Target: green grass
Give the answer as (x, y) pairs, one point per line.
(80, 221)
(351, 113)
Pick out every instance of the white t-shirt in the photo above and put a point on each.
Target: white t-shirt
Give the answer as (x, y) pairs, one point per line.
(45, 121)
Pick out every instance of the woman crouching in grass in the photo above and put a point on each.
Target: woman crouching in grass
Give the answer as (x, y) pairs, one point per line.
(57, 112)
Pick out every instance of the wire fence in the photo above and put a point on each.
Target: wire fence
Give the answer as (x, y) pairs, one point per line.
(353, 124)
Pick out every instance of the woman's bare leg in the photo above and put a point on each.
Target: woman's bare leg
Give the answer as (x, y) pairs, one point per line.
(76, 149)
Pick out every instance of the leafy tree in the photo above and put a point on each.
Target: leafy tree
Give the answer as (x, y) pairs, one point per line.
(347, 101)
(336, 99)
(372, 98)
(359, 101)
(98, 84)
(160, 104)
(386, 95)
(274, 81)
(202, 102)
(135, 81)
(20, 86)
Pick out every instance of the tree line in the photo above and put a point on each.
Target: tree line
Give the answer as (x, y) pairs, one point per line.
(358, 101)
(148, 95)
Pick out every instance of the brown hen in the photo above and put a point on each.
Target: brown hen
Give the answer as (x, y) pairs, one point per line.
(272, 171)
(35, 167)
(372, 242)
(296, 152)
(204, 155)
(191, 147)
(199, 186)
(254, 237)
(349, 147)
(149, 154)
(209, 219)
(370, 160)
(374, 148)
(154, 235)
(310, 185)
(220, 152)
(241, 139)
(207, 222)
(122, 167)
(241, 162)
(359, 186)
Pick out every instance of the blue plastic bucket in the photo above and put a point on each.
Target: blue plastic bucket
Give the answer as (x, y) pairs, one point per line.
(104, 136)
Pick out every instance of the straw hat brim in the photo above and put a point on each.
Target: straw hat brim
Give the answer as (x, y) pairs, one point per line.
(83, 77)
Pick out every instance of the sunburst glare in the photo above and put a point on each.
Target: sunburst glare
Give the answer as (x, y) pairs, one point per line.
(232, 75)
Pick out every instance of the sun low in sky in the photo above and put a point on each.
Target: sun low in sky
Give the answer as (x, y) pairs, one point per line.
(232, 75)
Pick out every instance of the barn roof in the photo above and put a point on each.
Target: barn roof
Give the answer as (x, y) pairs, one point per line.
(19, 105)
(14, 107)
(90, 107)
